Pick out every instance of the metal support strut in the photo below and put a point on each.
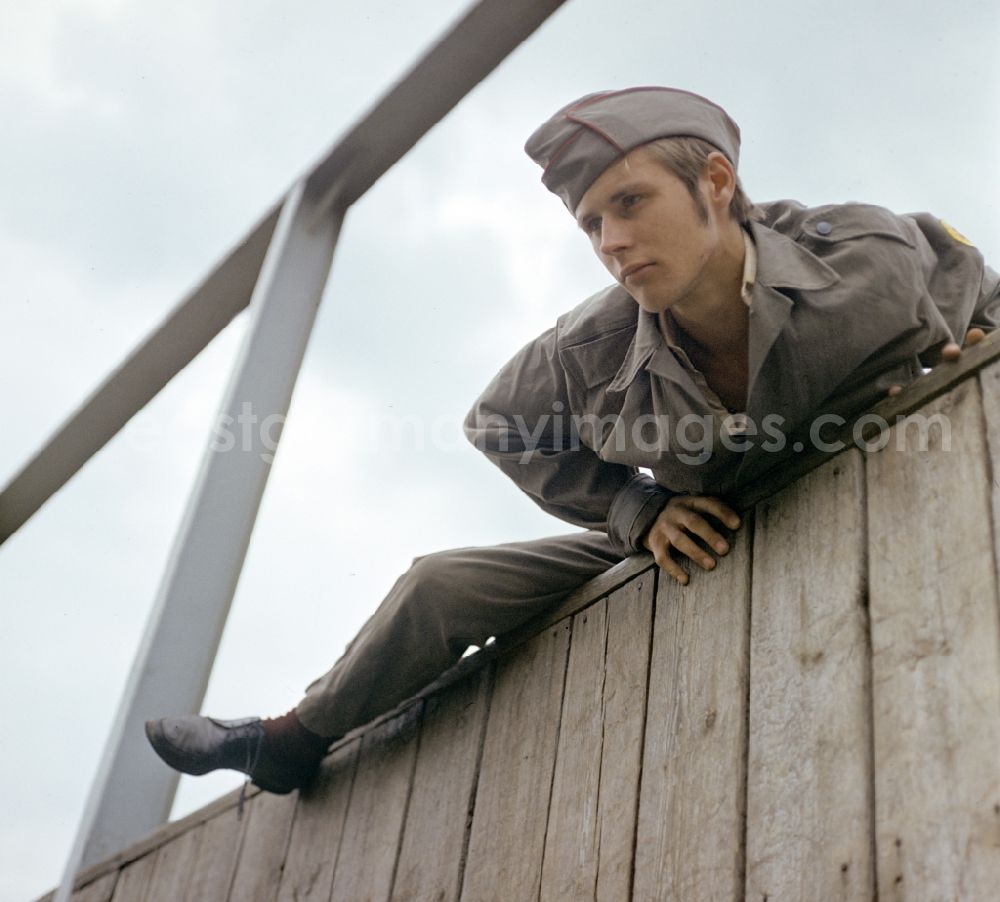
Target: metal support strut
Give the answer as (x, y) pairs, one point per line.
(133, 791)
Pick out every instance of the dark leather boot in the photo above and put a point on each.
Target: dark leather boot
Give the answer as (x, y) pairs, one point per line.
(196, 745)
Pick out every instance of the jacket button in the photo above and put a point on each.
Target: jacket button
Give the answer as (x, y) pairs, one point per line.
(823, 227)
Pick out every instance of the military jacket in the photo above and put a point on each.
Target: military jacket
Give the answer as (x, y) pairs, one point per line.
(846, 300)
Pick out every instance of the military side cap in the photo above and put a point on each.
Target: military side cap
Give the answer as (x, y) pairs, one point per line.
(582, 139)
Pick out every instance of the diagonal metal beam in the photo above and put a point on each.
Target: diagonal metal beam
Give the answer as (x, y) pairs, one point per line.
(133, 791)
(472, 48)
(469, 51)
(171, 346)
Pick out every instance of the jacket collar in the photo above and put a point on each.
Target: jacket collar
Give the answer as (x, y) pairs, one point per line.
(780, 262)
(646, 341)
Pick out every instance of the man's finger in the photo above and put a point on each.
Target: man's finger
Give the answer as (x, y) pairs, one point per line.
(704, 530)
(693, 551)
(974, 336)
(951, 351)
(940, 352)
(709, 505)
(661, 554)
(676, 571)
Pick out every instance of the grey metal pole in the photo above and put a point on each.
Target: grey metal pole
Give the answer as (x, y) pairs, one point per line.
(133, 790)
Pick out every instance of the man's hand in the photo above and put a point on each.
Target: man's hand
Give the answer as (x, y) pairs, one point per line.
(679, 523)
(949, 352)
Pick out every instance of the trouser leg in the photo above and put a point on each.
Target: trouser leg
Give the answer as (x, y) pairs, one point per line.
(443, 604)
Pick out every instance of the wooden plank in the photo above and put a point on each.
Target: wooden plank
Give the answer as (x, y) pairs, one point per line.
(317, 830)
(626, 680)
(515, 778)
(444, 788)
(172, 870)
(161, 836)
(213, 869)
(935, 659)
(376, 812)
(262, 852)
(99, 890)
(569, 869)
(989, 380)
(809, 804)
(689, 838)
(134, 879)
(588, 846)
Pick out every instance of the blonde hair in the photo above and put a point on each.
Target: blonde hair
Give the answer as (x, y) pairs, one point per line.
(686, 158)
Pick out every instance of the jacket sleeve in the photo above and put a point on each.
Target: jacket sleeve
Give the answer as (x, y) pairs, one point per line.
(524, 423)
(987, 312)
(965, 290)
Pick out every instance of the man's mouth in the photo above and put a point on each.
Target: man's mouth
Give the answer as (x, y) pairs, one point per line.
(629, 271)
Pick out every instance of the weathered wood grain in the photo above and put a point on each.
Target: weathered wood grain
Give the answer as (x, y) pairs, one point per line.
(134, 880)
(989, 379)
(172, 871)
(318, 828)
(265, 843)
(212, 874)
(689, 839)
(626, 677)
(935, 660)
(160, 837)
(571, 841)
(561, 742)
(591, 829)
(809, 805)
(99, 890)
(515, 778)
(376, 811)
(444, 787)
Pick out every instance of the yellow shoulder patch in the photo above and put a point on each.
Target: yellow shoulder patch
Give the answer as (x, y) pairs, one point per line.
(956, 234)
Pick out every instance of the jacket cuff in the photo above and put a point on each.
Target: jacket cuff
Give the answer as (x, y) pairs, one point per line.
(637, 504)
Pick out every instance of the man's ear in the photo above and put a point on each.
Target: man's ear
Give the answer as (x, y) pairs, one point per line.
(721, 178)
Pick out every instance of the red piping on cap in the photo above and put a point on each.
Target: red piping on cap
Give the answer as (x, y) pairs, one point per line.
(561, 149)
(599, 131)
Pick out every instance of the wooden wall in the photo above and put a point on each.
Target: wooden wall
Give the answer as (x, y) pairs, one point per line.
(819, 718)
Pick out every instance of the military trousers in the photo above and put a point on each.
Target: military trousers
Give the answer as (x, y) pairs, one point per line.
(444, 603)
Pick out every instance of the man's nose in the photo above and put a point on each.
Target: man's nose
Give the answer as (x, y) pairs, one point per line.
(615, 235)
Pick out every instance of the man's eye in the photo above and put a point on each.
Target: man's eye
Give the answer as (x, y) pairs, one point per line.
(630, 200)
(592, 225)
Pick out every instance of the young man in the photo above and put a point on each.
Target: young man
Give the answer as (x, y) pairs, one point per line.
(744, 323)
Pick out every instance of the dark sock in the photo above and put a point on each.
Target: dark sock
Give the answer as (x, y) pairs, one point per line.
(287, 739)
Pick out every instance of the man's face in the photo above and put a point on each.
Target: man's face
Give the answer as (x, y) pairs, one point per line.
(648, 232)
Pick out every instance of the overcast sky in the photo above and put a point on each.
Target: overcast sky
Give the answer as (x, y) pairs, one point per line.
(143, 139)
